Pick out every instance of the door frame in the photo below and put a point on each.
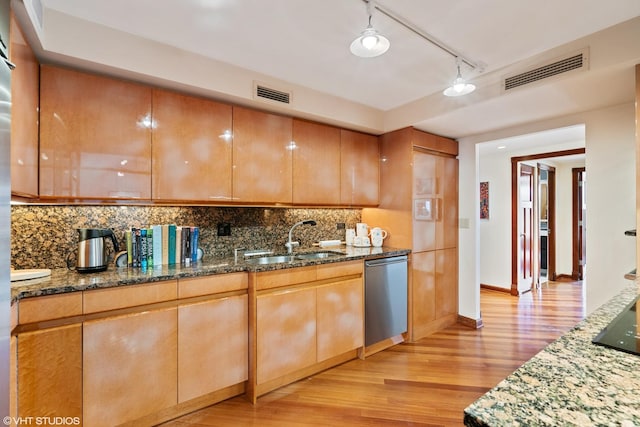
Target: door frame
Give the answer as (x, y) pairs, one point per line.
(524, 228)
(576, 218)
(551, 220)
(514, 205)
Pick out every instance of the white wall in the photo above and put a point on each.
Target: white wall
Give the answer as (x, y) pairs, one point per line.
(495, 232)
(610, 162)
(611, 201)
(468, 233)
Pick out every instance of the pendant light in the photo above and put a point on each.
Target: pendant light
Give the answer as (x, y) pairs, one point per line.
(460, 86)
(370, 43)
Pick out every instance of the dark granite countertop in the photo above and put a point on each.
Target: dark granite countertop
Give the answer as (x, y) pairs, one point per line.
(63, 280)
(571, 382)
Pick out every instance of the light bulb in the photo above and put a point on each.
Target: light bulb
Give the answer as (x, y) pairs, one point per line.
(459, 84)
(369, 42)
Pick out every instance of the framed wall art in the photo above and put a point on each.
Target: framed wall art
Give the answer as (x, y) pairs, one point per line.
(484, 200)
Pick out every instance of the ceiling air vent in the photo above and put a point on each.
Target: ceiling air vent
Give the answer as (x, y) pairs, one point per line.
(575, 62)
(269, 94)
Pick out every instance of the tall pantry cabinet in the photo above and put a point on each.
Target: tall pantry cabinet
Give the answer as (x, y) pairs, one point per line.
(419, 209)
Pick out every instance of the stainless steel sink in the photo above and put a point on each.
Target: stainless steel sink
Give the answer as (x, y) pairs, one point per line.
(318, 255)
(275, 259)
(270, 259)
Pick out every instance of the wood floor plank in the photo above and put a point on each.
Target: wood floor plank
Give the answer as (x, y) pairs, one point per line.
(426, 383)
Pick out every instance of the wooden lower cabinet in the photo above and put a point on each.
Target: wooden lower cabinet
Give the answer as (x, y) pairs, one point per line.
(433, 291)
(447, 283)
(134, 355)
(212, 346)
(49, 374)
(422, 291)
(129, 366)
(340, 319)
(302, 321)
(285, 333)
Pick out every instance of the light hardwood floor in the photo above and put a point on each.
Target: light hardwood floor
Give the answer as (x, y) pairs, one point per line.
(426, 383)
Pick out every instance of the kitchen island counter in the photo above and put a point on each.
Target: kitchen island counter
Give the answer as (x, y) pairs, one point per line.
(570, 382)
(63, 280)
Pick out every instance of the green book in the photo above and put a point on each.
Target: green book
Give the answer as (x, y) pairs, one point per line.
(172, 244)
(150, 247)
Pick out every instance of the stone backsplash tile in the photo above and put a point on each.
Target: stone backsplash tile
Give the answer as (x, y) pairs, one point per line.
(44, 236)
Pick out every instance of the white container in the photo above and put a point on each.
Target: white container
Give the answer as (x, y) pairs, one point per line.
(349, 235)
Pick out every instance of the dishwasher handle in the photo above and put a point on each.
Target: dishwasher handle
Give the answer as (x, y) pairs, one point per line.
(385, 261)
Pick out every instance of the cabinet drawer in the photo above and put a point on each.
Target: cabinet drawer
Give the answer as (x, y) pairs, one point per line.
(338, 269)
(49, 307)
(129, 296)
(208, 285)
(287, 277)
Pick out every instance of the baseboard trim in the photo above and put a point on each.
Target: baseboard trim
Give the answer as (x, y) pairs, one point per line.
(495, 288)
(565, 278)
(469, 322)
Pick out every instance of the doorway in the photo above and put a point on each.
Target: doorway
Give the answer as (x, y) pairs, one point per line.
(546, 223)
(579, 222)
(522, 265)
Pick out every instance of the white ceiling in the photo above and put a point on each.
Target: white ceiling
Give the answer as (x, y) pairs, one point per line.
(306, 43)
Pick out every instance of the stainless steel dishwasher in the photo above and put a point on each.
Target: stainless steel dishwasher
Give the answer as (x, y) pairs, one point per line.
(385, 296)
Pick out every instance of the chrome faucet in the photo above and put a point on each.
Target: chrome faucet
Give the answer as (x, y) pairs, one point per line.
(290, 243)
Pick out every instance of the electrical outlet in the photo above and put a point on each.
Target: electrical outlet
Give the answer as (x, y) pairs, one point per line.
(340, 226)
(224, 229)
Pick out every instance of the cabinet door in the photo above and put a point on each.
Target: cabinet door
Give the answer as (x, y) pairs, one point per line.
(285, 333)
(359, 169)
(446, 291)
(423, 290)
(212, 346)
(316, 164)
(340, 318)
(447, 233)
(427, 201)
(435, 202)
(130, 365)
(49, 373)
(25, 100)
(95, 136)
(262, 165)
(192, 145)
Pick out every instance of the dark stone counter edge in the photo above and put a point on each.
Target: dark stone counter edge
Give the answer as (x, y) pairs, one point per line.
(64, 281)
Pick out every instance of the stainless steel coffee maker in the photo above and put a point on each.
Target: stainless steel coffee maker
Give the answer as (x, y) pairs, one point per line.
(93, 255)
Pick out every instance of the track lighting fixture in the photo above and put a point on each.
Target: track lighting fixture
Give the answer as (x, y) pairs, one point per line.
(460, 86)
(370, 43)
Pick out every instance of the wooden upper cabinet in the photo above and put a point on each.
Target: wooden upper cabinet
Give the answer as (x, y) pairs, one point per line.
(25, 86)
(95, 136)
(435, 198)
(316, 163)
(262, 157)
(192, 147)
(359, 169)
(447, 236)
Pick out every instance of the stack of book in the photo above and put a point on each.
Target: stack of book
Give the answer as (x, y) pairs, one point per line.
(161, 245)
